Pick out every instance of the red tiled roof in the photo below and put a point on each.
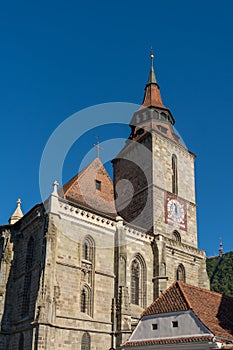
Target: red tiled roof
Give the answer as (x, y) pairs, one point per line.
(169, 301)
(214, 310)
(81, 189)
(204, 338)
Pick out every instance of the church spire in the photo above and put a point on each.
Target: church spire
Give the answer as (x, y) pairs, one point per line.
(152, 78)
(152, 97)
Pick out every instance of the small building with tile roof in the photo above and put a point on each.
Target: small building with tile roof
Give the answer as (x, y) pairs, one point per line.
(185, 316)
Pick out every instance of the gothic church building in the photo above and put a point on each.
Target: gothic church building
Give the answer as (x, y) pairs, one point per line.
(78, 270)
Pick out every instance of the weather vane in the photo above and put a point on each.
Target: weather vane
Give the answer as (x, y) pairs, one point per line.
(97, 146)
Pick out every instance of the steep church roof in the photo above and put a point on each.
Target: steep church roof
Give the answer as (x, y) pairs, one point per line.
(214, 310)
(152, 96)
(153, 115)
(91, 188)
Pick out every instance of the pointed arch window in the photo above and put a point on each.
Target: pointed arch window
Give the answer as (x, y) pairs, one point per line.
(27, 277)
(138, 281)
(86, 341)
(85, 302)
(174, 175)
(180, 273)
(135, 277)
(176, 236)
(88, 249)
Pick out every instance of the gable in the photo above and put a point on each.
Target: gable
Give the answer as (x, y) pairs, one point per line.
(92, 188)
(169, 325)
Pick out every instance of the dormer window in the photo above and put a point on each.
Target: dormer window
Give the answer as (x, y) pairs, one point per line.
(98, 185)
(140, 131)
(162, 129)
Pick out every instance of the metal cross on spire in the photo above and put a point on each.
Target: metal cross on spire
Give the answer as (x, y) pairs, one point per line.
(97, 146)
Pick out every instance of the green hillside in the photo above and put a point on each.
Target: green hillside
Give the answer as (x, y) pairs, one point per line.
(220, 271)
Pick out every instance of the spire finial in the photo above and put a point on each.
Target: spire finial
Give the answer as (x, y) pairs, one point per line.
(55, 186)
(152, 78)
(17, 213)
(152, 57)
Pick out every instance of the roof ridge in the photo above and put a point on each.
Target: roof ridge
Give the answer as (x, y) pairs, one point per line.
(179, 284)
(203, 290)
(158, 298)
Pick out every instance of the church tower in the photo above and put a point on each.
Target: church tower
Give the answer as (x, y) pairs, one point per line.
(155, 192)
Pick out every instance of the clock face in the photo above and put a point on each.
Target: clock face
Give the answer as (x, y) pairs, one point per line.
(175, 212)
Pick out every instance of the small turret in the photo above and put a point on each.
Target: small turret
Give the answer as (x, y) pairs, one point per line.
(18, 214)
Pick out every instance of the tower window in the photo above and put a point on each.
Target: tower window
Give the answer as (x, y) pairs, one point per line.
(174, 324)
(176, 236)
(86, 341)
(174, 175)
(161, 128)
(180, 273)
(154, 326)
(98, 185)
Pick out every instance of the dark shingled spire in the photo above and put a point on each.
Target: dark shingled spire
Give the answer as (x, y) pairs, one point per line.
(152, 97)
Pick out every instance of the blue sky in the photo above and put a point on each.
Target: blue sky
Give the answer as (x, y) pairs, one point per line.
(60, 57)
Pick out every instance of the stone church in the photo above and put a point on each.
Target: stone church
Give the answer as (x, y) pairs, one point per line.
(78, 270)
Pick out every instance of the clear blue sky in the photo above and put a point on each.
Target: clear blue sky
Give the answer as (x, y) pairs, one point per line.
(59, 57)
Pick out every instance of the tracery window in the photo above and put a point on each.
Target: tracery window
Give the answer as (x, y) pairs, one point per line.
(138, 281)
(27, 277)
(180, 273)
(86, 341)
(85, 302)
(174, 175)
(88, 249)
(135, 276)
